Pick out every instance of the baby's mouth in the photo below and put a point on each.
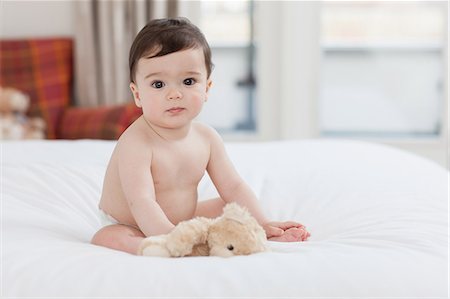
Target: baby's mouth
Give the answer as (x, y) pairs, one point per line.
(175, 109)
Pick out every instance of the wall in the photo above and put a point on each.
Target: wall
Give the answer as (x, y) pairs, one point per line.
(282, 74)
(36, 18)
(20, 19)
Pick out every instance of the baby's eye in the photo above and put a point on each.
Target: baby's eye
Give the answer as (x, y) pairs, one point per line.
(189, 81)
(158, 84)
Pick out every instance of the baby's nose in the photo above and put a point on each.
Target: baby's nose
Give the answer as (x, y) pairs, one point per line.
(174, 94)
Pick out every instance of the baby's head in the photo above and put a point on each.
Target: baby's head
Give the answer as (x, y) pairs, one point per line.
(164, 36)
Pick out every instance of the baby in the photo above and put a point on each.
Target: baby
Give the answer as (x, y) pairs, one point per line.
(151, 181)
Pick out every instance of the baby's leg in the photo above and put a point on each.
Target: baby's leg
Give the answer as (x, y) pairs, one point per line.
(119, 237)
(210, 208)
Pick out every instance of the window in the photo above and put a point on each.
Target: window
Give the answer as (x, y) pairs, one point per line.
(382, 68)
(228, 28)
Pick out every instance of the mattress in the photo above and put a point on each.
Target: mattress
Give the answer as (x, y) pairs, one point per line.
(378, 218)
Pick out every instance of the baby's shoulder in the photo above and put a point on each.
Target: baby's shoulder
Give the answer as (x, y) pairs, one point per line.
(134, 137)
(204, 130)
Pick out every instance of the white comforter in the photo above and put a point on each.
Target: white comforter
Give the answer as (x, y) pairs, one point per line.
(378, 218)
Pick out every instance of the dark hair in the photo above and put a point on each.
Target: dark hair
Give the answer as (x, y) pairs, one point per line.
(164, 36)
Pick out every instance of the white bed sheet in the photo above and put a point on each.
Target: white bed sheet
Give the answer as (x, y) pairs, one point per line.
(378, 218)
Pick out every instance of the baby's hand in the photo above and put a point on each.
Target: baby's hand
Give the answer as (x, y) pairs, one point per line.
(286, 231)
(293, 234)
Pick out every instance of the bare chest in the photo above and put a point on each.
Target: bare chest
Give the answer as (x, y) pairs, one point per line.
(178, 167)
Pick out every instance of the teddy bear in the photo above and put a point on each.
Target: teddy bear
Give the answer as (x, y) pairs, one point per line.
(235, 232)
(14, 124)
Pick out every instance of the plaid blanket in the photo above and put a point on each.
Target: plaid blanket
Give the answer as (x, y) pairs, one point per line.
(97, 123)
(42, 68)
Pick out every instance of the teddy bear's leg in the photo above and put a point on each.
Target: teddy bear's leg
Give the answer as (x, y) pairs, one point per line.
(154, 246)
(200, 250)
(186, 234)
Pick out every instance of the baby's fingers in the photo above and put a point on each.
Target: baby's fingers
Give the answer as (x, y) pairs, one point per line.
(288, 224)
(305, 235)
(272, 231)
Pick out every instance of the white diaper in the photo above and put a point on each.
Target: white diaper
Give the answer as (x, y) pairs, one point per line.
(106, 219)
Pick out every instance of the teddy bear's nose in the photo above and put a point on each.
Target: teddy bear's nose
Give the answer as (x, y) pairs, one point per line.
(230, 247)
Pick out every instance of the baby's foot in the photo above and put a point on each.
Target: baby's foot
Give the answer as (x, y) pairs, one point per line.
(293, 234)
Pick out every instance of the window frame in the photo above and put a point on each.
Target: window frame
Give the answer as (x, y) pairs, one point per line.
(295, 76)
(288, 69)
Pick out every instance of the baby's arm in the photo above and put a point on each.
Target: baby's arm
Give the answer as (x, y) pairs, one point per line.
(232, 187)
(228, 182)
(134, 160)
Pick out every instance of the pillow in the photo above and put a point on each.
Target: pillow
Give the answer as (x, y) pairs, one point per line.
(107, 122)
(42, 68)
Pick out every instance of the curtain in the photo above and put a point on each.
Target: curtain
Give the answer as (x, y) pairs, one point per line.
(104, 33)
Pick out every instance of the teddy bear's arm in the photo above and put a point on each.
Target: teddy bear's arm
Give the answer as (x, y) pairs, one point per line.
(154, 246)
(186, 235)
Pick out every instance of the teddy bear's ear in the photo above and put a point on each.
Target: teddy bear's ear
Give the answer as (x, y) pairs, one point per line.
(235, 212)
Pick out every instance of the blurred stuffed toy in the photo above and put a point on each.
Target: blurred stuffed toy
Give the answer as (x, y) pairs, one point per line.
(236, 232)
(14, 123)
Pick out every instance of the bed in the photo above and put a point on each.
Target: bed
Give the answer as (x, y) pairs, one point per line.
(378, 218)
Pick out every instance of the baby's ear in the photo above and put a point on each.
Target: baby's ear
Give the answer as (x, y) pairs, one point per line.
(208, 87)
(135, 92)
